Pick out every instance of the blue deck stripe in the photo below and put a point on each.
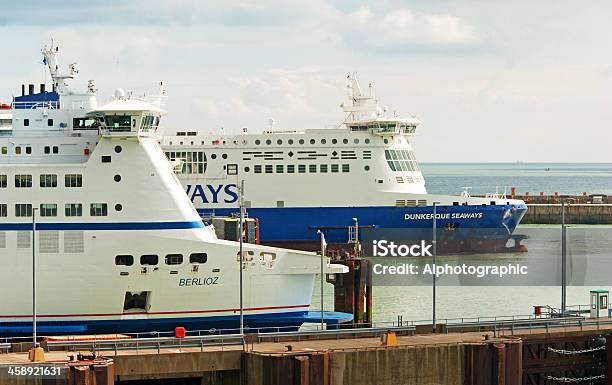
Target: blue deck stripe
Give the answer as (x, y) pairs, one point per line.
(102, 226)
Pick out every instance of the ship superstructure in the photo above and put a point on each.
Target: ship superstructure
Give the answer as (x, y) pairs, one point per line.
(119, 246)
(363, 173)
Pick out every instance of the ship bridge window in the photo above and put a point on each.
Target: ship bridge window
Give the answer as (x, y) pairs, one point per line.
(192, 162)
(3, 210)
(3, 180)
(120, 123)
(85, 124)
(23, 181)
(149, 122)
(401, 160)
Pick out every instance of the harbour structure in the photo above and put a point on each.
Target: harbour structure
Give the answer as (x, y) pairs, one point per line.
(119, 247)
(358, 180)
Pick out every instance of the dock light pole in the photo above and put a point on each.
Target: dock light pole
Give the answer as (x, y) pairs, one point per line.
(434, 243)
(356, 236)
(241, 258)
(563, 261)
(323, 247)
(34, 336)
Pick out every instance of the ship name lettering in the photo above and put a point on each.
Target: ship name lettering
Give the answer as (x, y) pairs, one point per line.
(429, 216)
(203, 281)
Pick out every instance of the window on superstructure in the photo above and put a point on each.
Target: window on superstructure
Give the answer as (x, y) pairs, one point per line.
(149, 259)
(3, 181)
(73, 209)
(290, 169)
(312, 168)
(257, 169)
(48, 210)
(174, 259)
(119, 123)
(84, 124)
(4, 150)
(312, 141)
(198, 258)
(323, 168)
(280, 168)
(334, 168)
(301, 168)
(346, 167)
(26, 122)
(18, 150)
(192, 162)
(181, 133)
(301, 141)
(192, 133)
(345, 141)
(268, 142)
(124, 260)
(98, 209)
(401, 160)
(55, 149)
(73, 180)
(3, 210)
(268, 169)
(48, 180)
(334, 141)
(23, 210)
(28, 150)
(47, 150)
(23, 181)
(50, 122)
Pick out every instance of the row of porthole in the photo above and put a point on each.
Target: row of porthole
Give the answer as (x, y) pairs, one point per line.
(312, 141)
(248, 169)
(290, 141)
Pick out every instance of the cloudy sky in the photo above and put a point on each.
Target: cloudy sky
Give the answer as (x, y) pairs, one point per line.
(491, 81)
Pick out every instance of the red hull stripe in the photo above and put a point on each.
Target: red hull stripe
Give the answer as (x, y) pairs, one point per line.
(155, 313)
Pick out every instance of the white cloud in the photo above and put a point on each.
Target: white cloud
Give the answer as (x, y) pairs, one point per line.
(403, 27)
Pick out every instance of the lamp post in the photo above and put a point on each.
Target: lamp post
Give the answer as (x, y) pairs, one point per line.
(563, 261)
(241, 258)
(34, 336)
(323, 246)
(356, 236)
(434, 243)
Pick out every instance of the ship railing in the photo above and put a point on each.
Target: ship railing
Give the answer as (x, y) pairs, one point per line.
(334, 333)
(149, 343)
(31, 105)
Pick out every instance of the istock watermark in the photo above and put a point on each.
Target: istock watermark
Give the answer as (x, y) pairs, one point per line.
(478, 271)
(384, 248)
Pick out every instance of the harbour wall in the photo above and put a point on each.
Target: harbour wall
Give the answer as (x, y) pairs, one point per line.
(588, 214)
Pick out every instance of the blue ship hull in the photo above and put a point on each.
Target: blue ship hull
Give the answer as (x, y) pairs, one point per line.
(214, 324)
(463, 228)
